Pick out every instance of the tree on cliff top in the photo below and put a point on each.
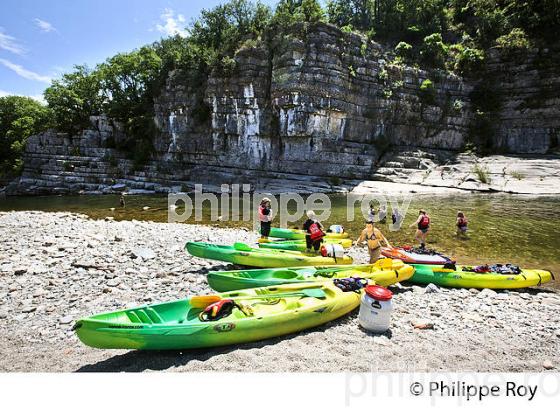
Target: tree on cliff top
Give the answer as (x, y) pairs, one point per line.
(20, 117)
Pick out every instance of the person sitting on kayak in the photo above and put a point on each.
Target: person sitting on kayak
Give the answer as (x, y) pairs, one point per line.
(265, 217)
(314, 232)
(423, 226)
(462, 223)
(373, 236)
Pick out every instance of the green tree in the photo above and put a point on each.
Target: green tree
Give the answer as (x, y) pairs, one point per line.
(74, 98)
(20, 117)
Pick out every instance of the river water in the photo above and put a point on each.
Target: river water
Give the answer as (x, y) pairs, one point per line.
(502, 228)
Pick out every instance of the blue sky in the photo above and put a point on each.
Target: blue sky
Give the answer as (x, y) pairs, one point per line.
(41, 39)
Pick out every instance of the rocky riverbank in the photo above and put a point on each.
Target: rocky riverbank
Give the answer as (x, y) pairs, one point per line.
(57, 267)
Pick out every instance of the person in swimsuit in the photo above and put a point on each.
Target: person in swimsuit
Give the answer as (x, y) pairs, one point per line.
(374, 237)
(423, 226)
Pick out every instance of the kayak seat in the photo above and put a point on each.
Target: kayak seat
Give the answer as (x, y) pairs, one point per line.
(133, 317)
(307, 301)
(285, 274)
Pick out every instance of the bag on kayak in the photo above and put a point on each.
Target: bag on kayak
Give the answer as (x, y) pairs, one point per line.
(336, 229)
(217, 310)
(315, 232)
(332, 250)
(352, 284)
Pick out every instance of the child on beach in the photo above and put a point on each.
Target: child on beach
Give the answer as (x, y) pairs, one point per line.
(265, 218)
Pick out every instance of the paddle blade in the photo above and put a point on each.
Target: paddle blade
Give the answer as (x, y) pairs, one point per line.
(239, 246)
(203, 301)
(314, 293)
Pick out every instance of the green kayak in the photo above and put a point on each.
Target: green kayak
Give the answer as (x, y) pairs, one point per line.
(177, 325)
(384, 272)
(300, 244)
(300, 234)
(243, 254)
(460, 278)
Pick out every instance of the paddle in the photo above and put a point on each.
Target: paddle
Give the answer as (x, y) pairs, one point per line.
(206, 300)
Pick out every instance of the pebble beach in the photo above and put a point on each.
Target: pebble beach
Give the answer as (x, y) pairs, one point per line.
(58, 267)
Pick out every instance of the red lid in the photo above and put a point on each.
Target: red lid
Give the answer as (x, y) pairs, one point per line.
(379, 293)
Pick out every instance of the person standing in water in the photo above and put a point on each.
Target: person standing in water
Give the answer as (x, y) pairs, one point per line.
(423, 226)
(371, 212)
(122, 202)
(462, 223)
(265, 218)
(373, 236)
(314, 232)
(382, 214)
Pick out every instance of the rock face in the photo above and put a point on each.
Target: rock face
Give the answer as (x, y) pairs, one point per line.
(311, 102)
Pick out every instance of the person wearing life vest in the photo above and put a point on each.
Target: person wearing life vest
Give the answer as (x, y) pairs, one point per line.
(423, 226)
(265, 218)
(374, 237)
(314, 232)
(462, 223)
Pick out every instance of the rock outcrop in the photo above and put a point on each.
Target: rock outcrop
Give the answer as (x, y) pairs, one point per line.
(312, 104)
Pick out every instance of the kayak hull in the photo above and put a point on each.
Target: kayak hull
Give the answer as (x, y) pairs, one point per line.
(175, 325)
(300, 234)
(425, 274)
(382, 273)
(300, 244)
(262, 258)
(414, 258)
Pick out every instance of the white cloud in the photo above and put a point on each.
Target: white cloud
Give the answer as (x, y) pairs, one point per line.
(38, 97)
(173, 24)
(44, 26)
(10, 44)
(23, 72)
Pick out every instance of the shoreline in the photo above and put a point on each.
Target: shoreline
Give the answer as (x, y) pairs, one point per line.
(358, 187)
(57, 267)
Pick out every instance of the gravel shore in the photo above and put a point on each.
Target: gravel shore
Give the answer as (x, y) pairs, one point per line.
(57, 267)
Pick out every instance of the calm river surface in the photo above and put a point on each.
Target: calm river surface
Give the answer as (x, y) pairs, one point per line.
(502, 228)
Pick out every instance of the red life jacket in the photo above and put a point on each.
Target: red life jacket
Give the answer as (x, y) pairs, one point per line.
(462, 222)
(262, 216)
(424, 222)
(315, 232)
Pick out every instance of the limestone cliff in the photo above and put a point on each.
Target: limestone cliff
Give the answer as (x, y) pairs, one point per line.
(312, 103)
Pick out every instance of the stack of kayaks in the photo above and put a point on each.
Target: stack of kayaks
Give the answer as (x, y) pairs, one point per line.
(300, 234)
(384, 272)
(243, 254)
(269, 312)
(460, 277)
(300, 244)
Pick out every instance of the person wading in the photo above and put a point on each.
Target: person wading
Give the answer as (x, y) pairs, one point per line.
(314, 232)
(462, 224)
(423, 226)
(374, 237)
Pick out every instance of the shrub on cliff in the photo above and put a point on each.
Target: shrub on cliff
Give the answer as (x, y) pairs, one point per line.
(20, 117)
(74, 98)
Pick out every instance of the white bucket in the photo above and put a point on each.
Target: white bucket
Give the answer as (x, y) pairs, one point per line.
(332, 250)
(376, 308)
